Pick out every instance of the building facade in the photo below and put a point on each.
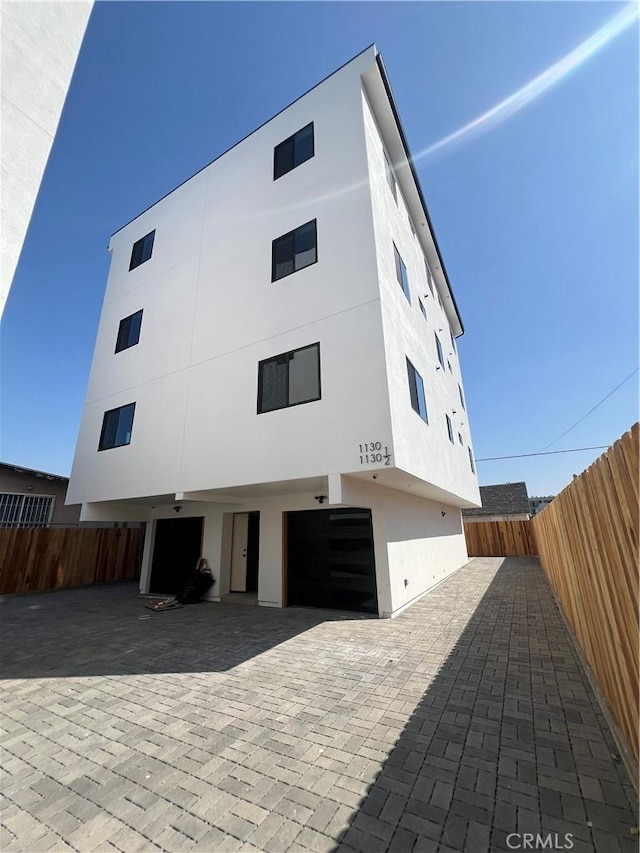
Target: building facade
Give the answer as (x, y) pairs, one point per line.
(275, 384)
(39, 42)
(538, 503)
(31, 498)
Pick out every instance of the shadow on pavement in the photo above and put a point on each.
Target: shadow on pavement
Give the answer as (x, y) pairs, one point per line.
(508, 738)
(106, 630)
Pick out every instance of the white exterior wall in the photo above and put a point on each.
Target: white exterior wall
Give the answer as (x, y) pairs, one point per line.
(40, 42)
(211, 313)
(421, 449)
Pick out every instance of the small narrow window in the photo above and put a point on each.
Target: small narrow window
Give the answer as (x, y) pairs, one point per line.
(416, 392)
(422, 308)
(294, 151)
(294, 251)
(439, 350)
(460, 438)
(401, 273)
(453, 340)
(117, 425)
(449, 429)
(412, 226)
(427, 270)
(461, 397)
(473, 469)
(289, 379)
(142, 250)
(449, 366)
(129, 331)
(391, 178)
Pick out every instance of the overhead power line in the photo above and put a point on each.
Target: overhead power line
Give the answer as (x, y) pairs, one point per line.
(597, 405)
(540, 453)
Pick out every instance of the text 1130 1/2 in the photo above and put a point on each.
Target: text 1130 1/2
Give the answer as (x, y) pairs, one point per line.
(374, 451)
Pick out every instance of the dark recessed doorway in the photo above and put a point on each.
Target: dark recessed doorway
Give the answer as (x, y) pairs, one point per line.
(176, 551)
(330, 560)
(245, 550)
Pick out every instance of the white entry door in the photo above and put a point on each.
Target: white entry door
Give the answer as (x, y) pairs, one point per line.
(239, 552)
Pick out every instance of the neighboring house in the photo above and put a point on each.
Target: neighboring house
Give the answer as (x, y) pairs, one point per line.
(502, 502)
(537, 504)
(40, 44)
(31, 498)
(275, 384)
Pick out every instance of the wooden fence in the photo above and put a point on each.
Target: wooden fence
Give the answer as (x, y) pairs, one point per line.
(588, 545)
(39, 559)
(500, 539)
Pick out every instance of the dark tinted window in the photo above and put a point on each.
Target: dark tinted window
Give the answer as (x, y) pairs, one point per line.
(293, 151)
(391, 178)
(129, 331)
(401, 273)
(142, 250)
(439, 350)
(416, 392)
(473, 470)
(449, 428)
(117, 425)
(424, 313)
(294, 251)
(289, 379)
(427, 270)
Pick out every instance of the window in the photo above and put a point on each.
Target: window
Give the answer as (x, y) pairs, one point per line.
(461, 397)
(453, 341)
(391, 178)
(424, 313)
(449, 366)
(449, 429)
(294, 151)
(439, 350)
(429, 276)
(412, 226)
(289, 379)
(416, 391)
(473, 470)
(460, 438)
(401, 273)
(25, 510)
(294, 251)
(141, 251)
(440, 301)
(116, 427)
(129, 331)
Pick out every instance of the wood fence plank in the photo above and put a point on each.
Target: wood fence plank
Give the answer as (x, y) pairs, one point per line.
(37, 559)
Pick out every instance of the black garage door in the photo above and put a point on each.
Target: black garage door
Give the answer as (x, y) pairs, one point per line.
(176, 551)
(330, 561)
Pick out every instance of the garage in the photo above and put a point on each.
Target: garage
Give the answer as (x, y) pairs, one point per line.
(177, 548)
(330, 560)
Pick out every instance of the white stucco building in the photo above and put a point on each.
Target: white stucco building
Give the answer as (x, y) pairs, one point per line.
(285, 394)
(39, 46)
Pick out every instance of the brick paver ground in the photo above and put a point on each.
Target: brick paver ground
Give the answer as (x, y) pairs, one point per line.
(222, 727)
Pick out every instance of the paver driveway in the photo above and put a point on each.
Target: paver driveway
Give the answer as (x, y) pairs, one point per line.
(223, 727)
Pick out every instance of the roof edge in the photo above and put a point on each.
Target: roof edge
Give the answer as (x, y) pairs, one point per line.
(409, 156)
(255, 130)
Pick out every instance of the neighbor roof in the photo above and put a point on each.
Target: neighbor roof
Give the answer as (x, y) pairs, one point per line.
(501, 499)
(20, 469)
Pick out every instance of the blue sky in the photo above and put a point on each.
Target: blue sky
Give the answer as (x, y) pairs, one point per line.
(537, 218)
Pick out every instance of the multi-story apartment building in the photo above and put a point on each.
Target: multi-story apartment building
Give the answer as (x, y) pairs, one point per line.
(275, 384)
